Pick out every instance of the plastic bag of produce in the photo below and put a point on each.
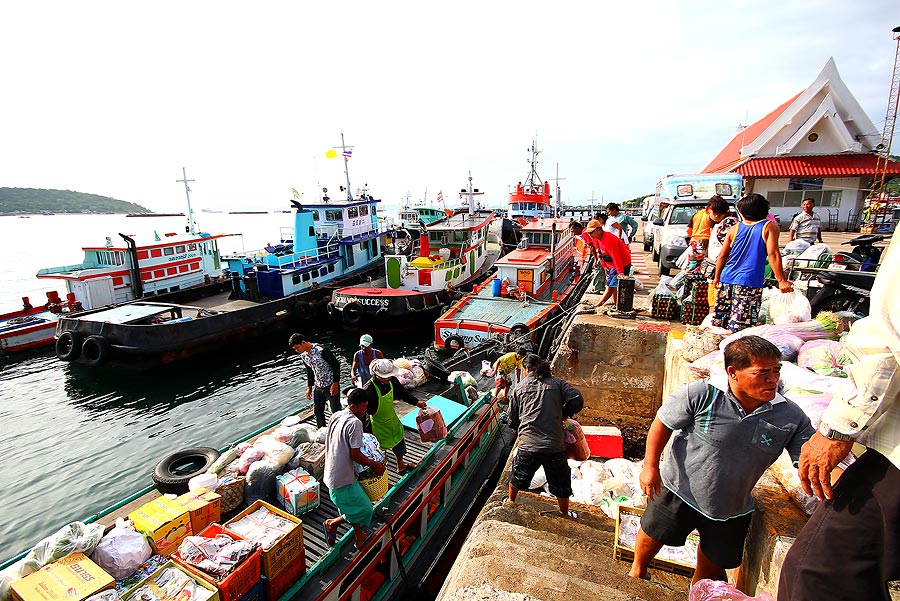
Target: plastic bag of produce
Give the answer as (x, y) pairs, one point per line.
(703, 366)
(122, 550)
(623, 468)
(68, 539)
(576, 444)
(223, 460)
(276, 452)
(15, 572)
(716, 590)
(789, 307)
(248, 458)
(243, 446)
(467, 378)
(260, 480)
(405, 377)
(420, 376)
(825, 357)
(430, 424)
(403, 363)
(700, 341)
(539, 479)
(788, 344)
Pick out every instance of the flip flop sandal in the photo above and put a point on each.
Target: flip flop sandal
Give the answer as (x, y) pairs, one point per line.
(570, 514)
(409, 468)
(367, 537)
(329, 538)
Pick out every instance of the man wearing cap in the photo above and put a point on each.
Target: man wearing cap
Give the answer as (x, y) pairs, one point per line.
(615, 257)
(381, 390)
(362, 359)
(322, 375)
(598, 285)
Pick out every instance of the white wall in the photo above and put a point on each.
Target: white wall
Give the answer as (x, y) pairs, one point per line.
(849, 198)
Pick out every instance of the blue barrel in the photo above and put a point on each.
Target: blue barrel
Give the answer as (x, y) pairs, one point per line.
(495, 287)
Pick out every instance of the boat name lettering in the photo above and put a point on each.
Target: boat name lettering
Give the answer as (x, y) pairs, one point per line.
(180, 257)
(466, 336)
(341, 300)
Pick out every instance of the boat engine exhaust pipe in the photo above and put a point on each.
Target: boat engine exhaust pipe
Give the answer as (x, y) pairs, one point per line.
(137, 286)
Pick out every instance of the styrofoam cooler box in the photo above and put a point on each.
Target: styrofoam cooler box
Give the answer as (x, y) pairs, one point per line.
(604, 441)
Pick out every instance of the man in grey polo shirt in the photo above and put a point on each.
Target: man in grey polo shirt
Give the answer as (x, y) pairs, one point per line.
(726, 435)
(806, 225)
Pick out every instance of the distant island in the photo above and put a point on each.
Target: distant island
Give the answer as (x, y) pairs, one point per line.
(33, 201)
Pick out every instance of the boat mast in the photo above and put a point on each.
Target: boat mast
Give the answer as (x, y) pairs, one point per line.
(533, 184)
(557, 179)
(346, 153)
(471, 196)
(187, 192)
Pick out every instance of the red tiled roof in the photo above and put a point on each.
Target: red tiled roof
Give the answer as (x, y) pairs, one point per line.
(731, 154)
(833, 165)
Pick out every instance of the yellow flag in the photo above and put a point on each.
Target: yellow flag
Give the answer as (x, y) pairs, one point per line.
(296, 194)
(331, 154)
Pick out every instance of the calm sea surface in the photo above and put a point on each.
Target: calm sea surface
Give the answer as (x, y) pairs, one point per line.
(74, 441)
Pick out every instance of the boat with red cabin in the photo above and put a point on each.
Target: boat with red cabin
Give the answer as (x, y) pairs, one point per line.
(531, 199)
(536, 286)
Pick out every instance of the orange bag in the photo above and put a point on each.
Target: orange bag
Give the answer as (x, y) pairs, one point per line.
(431, 425)
(576, 444)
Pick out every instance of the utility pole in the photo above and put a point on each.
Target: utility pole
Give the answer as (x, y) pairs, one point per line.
(557, 179)
(187, 192)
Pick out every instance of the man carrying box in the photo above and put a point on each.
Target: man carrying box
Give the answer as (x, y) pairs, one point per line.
(343, 442)
(727, 435)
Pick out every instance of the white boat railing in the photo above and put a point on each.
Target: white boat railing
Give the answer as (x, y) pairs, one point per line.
(344, 231)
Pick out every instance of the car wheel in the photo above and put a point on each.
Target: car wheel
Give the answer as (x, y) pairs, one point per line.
(655, 255)
(648, 242)
(663, 270)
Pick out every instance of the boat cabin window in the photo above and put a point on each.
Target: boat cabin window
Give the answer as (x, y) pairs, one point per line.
(305, 276)
(374, 210)
(353, 212)
(169, 251)
(363, 210)
(331, 268)
(192, 246)
(110, 257)
(323, 272)
(315, 215)
(179, 249)
(334, 215)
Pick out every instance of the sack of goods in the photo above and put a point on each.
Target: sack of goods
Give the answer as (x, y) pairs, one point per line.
(371, 449)
(431, 425)
(576, 444)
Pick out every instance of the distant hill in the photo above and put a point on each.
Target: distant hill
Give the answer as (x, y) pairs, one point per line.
(36, 200)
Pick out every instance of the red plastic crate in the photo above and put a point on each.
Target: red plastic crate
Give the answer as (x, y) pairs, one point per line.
(277, 586)
(604, 441)
(241, 580)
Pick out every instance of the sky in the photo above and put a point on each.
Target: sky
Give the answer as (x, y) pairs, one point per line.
(115, 98)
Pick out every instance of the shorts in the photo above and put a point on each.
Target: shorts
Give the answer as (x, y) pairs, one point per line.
(612, 278)
(399, 449)
(669, 520)
(556, 468)
(737, 306)
(502, 382)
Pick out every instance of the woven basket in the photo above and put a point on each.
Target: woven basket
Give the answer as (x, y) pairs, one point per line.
(232, 494)
(375, 487)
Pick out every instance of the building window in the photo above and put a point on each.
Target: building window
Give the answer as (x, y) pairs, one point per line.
(805, 183)
(793, 198)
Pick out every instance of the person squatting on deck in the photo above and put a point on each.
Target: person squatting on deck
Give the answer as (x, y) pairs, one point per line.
(504, 368)
(343, 442)
(322, 376)
(850, 548)
(537, 406)
(741, 266)
(727, 433)
(380, 391)
(614, 255)
(362, 359)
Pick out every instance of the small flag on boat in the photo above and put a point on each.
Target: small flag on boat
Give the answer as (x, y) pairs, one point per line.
(331, 154)
(441, 196)
(155, 236)
(295, 193)
(348, 152)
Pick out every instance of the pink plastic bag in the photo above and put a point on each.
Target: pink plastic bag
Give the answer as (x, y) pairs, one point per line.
(716, 590)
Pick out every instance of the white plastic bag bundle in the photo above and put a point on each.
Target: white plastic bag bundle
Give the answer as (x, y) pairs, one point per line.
(122, 551)
(278, 453)
(539, 479)
(716, 590)
(789, 307)
(68, 539)
(623, 468)
(467, 378)
(16, 571)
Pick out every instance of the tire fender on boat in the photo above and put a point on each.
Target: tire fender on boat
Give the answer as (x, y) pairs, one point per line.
(352, 312)
(95, 351)
(381, 314)
(330, 308)
(519, 330)
(172, 473)
(453, 343)
(302, 310)
(68, 345)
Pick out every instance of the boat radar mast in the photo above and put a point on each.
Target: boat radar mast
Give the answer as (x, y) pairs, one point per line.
(470, 192)
(346, 152)
(533, 183)
(187, 192)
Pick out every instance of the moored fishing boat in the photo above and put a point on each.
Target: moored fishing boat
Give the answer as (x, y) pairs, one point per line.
(535, 286)
(416, 518)
(531, 199)
(454, 253)
(30, 327)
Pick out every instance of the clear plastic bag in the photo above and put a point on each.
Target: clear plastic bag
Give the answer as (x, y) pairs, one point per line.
(68, 539)
(789, 307)
(122, 550)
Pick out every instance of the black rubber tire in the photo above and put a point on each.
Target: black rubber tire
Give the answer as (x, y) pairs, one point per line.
(663, 270)
(453, 343)
(330, 308)
(95, 351)
(655, 256)
(68, 346)
(381, 314)
(436, 370)
(302, 310)
(171, 475)
(352, 313)
(518, 330)
(648, 244)
(843, 301)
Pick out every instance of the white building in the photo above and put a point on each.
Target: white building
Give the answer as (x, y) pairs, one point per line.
(820, 144)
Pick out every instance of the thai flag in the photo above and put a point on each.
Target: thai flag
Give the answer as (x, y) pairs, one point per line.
(348, 152)
(441, 196)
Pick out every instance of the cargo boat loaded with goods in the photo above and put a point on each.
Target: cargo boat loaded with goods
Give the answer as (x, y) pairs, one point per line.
(418, 514)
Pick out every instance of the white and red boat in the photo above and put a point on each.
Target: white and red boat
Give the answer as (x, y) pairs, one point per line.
(31, 327)
(531, 199)
(454, 253)
(535, 287)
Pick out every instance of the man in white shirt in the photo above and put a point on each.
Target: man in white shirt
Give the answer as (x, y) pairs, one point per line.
(850, 548)
(806, 225)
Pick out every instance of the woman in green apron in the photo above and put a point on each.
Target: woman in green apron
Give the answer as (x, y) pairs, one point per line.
(381, 392)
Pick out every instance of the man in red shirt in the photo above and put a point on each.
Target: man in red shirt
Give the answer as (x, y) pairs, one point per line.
(614, 257)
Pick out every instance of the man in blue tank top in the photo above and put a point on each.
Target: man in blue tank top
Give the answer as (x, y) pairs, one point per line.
(741, 265)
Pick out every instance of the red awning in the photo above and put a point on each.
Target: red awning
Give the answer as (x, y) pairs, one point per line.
(836, 165)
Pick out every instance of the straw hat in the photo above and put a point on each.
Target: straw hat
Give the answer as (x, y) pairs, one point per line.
(383, 368)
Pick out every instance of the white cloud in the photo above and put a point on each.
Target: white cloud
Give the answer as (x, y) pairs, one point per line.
(114, 98)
